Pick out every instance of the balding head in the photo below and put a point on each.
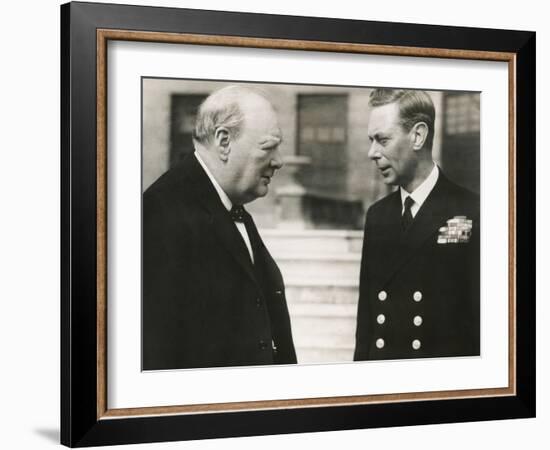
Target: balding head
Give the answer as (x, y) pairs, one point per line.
(237, 135)
(226, 108)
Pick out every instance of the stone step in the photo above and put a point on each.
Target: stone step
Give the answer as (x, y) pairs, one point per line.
(320, 294)
(319, 267)
(322, 342)
(323, 310)
(322, 332)
(312, 241)
(316, 355)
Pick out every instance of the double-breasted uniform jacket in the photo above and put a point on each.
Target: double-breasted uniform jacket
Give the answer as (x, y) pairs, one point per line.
(419, 298)
(205, 304)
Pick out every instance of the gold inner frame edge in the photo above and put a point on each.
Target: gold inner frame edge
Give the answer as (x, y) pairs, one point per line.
(103, 36)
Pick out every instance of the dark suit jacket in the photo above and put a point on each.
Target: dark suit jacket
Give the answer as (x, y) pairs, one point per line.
(204, 303)
(446, 276)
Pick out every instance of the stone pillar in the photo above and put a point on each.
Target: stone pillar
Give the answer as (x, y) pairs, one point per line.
(290, 196)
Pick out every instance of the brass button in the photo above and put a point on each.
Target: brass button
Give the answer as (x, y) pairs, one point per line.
(381, 318)
(417, 296)
(417, 320)
(416, 344)
(380, 343)
(382, 295)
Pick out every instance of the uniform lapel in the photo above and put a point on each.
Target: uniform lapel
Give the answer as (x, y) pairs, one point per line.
(430, 217)
(388, 236)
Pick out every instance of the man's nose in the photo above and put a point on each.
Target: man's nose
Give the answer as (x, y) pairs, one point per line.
(373, 152)
(277, 160)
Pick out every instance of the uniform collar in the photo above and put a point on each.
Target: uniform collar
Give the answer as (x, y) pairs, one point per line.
(420, 194)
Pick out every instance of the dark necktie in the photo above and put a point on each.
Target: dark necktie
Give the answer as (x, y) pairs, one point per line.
(407, 218)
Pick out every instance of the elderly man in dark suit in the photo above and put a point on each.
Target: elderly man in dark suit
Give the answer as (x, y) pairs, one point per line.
(419, 283)
(212, 294)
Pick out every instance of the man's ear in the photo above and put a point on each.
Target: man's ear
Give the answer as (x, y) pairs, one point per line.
(222, 141)
(419, 134)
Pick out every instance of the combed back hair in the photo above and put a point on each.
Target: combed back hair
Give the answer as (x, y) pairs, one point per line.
(222, 108)
(414, 107)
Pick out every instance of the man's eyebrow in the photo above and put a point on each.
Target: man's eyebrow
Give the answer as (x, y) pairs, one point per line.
(378, 135)
(271, 141)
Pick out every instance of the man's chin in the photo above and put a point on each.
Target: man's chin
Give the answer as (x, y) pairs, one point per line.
(260, 192)
(390, 181)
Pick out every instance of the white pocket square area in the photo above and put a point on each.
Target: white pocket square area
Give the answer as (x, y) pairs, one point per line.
(457, 231)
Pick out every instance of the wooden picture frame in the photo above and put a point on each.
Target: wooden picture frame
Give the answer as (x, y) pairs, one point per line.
(86, 418)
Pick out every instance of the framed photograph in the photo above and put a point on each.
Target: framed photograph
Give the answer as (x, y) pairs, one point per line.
(278, 224)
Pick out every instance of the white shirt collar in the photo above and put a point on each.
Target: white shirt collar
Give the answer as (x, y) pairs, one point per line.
(420, 194)
(223, 196)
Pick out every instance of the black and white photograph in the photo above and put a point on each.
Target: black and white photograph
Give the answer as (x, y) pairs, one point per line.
(308, 224)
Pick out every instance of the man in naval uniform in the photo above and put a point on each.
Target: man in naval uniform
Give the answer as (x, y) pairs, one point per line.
(419, 283)
(212, 294)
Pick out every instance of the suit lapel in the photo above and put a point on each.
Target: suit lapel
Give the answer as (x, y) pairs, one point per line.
(219, 219)
(262, 257)
(430, 217)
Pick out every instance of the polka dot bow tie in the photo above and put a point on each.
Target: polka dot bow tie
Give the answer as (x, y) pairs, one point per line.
(237, 213)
